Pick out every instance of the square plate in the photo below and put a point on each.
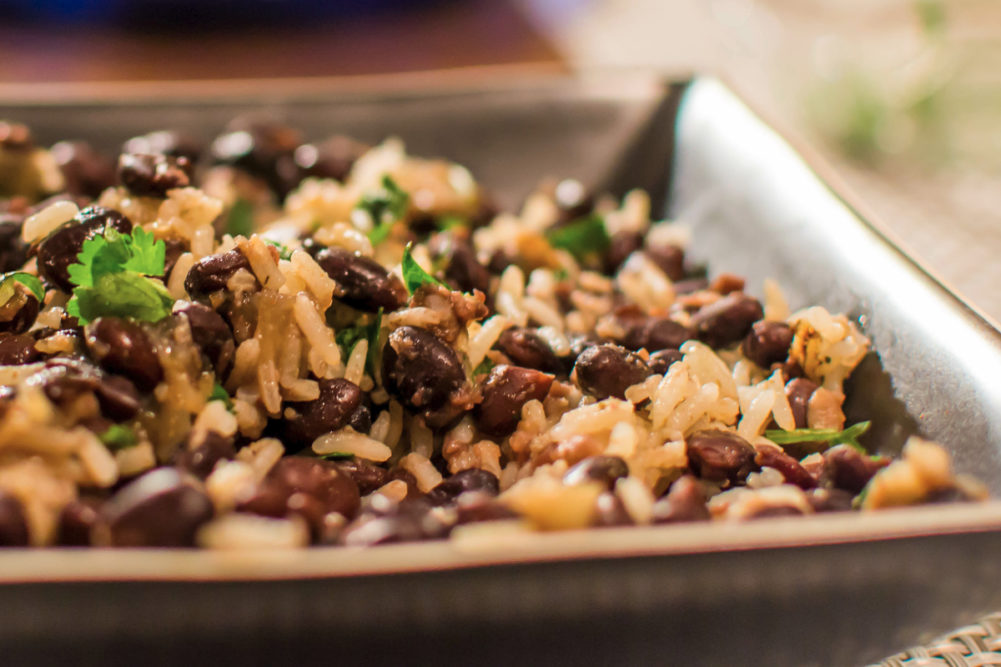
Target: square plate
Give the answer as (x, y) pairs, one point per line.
(816, 590)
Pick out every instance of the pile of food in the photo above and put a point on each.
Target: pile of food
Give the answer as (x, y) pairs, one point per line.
(261, 342)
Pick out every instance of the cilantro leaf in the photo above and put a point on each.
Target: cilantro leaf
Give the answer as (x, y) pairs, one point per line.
(413, 275)
(448, 222)
(114, 252)
(283, 251)
(386, 206)
(8, 280)
(126, 294)
(240, 221)
(219, 393)
(146, 255)
(118, 436)
(828, 437)
(336, 456)
(348, 337)
(582, 237)
(484, 367)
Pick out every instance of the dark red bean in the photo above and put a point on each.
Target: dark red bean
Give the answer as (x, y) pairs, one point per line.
(86, 172)
(849, 469)
(657, 333)
(210, 332)
(18, 313)
(367, 476)
(830, 500)
(526, 348)
(149, 175)
(118, 397)
(18, 349)
(610, 512)
(363, 283)
(160, 509)
(330, 411)
(13, 524)
(409, 521)
(166, 142)
(13, 249)
(332, 158)
(263, 149)
(60, 248)
(464, 481)
(210, 274)
(407, 478)
(463, 271)
(660, 361)
(505, 391)
(684, 502)
(799, 391)
(620, 246)
(670, 259)
(573, 199)
(792, 471)
(720, 456)
(728, 320)
(424, 373)
(476, 506)
(767, 343)
(361, 419)
(690, 286)
(608, 370)
(201, 460)
(77, 521)
(63, 380)
(606, 470)
(121, 346)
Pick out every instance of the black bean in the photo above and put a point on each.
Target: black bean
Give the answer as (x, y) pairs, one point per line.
(603, 469)
(526, 348)
(799, 391)
(573, 199)
(621, 245)
(153, 175)
(210, 332)
(60, 248)
(767, 343)
(505, 391)
(463, 271)
(685, 501)
(367, 476)
(77, 521)
(160, 509)
(263, 149)
(657, 333)
(13, 524)
(364, 283)
(720, 455)
(201, 460)
(670, 259)
(609, 512)
(330, 411)
(476, 506)
(18, 313)
(361, 419)
(210, 274)
(847, 468)
(423, 372)
(308, 487)
(118, 397)
(409, 521)
(121, 346)
(86, 171)
(18, 349)
(792, 471)
(728, 320)
(608, 370)
(166, 142)
(464, 481)
(332, 158)
(13, 249)
(660, 361)
(63, 380)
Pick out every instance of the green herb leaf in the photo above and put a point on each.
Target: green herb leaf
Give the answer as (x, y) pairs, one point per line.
(348, 337)
(413, 275)
(240, 221)
(386, 206)
(219, 393)
(118, 436)
(283, 251)
(8, 280)
(336, 456)
(448, 222)
(114, 252)
(125, 294)
(484, 367)
(828, 437)
(582, 237)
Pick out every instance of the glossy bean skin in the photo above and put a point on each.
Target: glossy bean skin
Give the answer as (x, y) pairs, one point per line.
(791, 470)
(77, 521)
(408, 521)
(364, 283)
(332, 158)
(798, 392)
(171, 143)
(64, 380)
(728, 320)
(670, 259)
(464, 481)
(505, 391)
(660, 361)
(121, 346)
(13, 524)
(620, 246)
(264, 149)
(367, 476)
(608, 370)
(847, 468)
(210, 332)
(118, 397)
(211, 273)
(423, 372)
(685, 501)
(86, 171)
(19, 312)
(464, 272)
(605, 470)
(18, 349)
(720, 455)
(59, 249)
(152, 175)
(201, 460)
(160, 509)
(657, 333)
(767, 343)
(525, 348)
(13, 249)
(330, 411)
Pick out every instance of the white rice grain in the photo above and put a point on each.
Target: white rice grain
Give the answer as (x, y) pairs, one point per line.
(349, 441)
(175, 284)
(44, 222)
(248, 531)
(423, 470)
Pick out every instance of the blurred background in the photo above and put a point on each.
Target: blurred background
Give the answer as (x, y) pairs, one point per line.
(902, 97)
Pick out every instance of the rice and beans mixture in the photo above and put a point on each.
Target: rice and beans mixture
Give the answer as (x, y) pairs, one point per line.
(262, 342)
